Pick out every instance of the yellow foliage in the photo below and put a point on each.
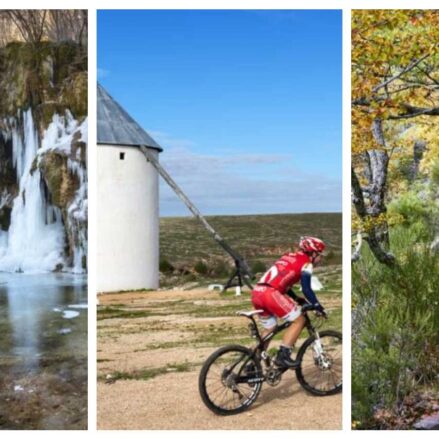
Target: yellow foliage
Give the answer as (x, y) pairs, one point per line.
(395, 72)
(385, 43)
(370, 223)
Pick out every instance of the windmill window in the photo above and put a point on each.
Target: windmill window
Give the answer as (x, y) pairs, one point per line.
(122, 156)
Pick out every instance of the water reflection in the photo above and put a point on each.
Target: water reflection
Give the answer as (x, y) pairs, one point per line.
(43, 347)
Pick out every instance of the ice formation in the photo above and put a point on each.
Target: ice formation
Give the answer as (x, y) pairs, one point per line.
(36, 239)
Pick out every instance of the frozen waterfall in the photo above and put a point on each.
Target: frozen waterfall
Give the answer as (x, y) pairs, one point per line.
(36, 239)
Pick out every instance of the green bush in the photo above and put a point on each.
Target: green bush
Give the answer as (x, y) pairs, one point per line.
(219, 269)
(395, 323)
(165, 266)
(435, 173)
(403, 169)
(411, 207)
(258, 267)
(201, 268)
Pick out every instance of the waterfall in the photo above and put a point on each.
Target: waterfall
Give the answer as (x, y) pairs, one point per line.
(36, 239)
(59, 136)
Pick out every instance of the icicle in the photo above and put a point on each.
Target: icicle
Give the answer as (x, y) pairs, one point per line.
(32, 244)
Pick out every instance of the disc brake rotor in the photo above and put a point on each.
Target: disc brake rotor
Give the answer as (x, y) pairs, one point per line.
(321, 359)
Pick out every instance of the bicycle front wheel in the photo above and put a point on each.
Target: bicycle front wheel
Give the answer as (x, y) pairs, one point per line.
(320, 370)
(230, 380)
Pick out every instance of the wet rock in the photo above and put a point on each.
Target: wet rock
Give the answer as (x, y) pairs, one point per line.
(61, 182)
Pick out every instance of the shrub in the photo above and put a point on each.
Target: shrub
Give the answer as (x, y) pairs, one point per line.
(219, 268)
(435, 173)
(410, 207)
(395, 323)
(165, 266)
(258, 267)
(201, 268)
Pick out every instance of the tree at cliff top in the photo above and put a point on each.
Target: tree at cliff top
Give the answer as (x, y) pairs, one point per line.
(36, 25)
(395, 96)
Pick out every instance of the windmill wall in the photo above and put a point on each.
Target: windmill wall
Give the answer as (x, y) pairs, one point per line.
(127, 220)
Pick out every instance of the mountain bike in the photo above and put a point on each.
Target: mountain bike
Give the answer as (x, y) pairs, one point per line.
(232, 377)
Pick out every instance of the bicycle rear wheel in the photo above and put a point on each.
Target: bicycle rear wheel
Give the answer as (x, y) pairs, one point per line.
(320, 371)
(230, 380)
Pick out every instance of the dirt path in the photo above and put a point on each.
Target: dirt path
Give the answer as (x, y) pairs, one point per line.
(138, 356)
(171, 402)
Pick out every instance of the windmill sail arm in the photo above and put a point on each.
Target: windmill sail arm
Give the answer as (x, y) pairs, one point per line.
(240, 263)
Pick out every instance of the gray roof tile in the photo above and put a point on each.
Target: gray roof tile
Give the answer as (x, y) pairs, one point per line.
(117, 127)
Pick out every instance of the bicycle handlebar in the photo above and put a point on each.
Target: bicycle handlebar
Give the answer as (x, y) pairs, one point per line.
(308, 307)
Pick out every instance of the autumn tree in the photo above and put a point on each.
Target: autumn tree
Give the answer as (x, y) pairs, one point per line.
(395, 81)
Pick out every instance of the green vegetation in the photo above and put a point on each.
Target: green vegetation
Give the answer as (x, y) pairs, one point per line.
(188, 252)
(201, 267)
(109, 312)
(165, 266)
(147, 373)
(395, 325)
(258, 267)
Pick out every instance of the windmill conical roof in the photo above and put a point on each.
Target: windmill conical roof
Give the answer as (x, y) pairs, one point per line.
(117, 127)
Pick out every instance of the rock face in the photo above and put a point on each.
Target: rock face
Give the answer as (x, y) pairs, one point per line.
(43, 169)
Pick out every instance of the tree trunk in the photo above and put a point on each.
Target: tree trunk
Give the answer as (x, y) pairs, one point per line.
(369, 201)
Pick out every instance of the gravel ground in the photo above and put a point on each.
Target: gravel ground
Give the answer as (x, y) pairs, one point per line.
(171, 400)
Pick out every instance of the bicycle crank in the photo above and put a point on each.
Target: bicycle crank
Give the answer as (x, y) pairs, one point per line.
(273, 376)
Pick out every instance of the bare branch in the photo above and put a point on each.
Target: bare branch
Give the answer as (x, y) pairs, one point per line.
(407, 69)
(381, 255)
(411, 111)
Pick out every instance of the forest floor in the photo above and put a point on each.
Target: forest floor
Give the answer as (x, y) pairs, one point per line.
(151, 346)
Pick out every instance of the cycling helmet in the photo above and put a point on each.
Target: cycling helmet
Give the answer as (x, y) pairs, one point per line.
(310, 244)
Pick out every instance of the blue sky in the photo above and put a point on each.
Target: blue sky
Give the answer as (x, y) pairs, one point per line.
(246, 104)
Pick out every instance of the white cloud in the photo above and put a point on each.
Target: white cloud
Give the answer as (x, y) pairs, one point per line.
(241, 183)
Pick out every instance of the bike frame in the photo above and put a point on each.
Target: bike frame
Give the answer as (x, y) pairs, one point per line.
(263, 342)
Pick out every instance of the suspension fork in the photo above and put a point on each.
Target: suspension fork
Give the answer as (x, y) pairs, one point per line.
(317, 346)
(312, 331)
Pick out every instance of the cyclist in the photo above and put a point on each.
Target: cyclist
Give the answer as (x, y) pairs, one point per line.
(273, 294)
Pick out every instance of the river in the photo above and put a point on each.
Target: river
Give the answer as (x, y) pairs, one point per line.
(43, 351)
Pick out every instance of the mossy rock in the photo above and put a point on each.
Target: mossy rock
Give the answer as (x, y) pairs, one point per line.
(74, 95)
(61, 183)
(68, 60)
(47, 74)
(24, 73)
(45, 112)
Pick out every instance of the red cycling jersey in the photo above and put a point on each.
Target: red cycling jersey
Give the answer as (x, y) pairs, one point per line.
(285, 272)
